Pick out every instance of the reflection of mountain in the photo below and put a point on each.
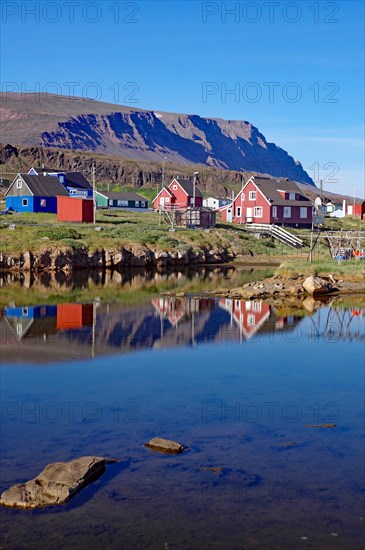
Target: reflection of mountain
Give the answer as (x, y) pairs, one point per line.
(67, 331)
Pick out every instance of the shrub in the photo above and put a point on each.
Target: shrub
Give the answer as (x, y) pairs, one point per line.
(58, 233)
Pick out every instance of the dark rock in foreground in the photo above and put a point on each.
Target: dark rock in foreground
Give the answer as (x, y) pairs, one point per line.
(165, 446)
(56, 484)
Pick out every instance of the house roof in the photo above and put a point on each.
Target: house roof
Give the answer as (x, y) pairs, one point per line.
(43, 186)
(76, 179)
(270, 188)
(188, 187)
(120, 195)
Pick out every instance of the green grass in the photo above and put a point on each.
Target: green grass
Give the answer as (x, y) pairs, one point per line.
(351, 269)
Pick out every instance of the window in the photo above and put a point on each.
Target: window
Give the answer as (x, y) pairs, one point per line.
(252, 196)
(143, 204)
(257, 212)
(274, 211)
(122, 203)
(110, 202)
(25, 311)
(292, 196)
(287, 212)
(72, 191)
(303, 212)
(43, 202)
(25, 202)
(257, 306)
(175, 187)
(251, 320)
(19, 183)
(137, 204)
(167, 199)
(238, 212)
(242, 197)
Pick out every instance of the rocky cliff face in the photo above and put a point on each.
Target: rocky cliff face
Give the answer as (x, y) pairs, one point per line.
(85, 125)
(117, 170)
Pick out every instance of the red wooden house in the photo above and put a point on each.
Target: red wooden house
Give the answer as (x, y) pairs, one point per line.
(265, 200)
(179, 194)
(355, 208)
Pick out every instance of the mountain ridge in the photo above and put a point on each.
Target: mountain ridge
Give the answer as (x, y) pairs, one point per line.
(78, 124)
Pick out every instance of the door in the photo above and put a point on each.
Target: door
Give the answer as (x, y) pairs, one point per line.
(229, 214)
(249, 214)
(162, 202)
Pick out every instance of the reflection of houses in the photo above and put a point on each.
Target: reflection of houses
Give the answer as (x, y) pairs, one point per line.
(249, 316)
(32, 321)
(74, 316)
(177, 309)
(254, 316)
(43, 321)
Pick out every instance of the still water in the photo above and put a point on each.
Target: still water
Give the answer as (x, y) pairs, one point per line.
(241, 384)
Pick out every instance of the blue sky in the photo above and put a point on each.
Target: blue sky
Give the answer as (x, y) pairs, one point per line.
(296, 68)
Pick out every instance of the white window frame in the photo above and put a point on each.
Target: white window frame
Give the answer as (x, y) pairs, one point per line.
(174, 187)
(19, 183)
(43, 202)
(121, 202)
(167, 199)
(274, 211)
(258, 212)
(257, 307)
(252, 196)
(238, 212)
(303, 212)
(24, 202)
(136, 204)
(251, 320)
(287, 212)
(242, 197)
(291, 196)
(143, 204)
(110, 202)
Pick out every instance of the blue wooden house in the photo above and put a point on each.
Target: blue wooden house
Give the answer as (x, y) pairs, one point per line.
(34, 193)
(74, 182)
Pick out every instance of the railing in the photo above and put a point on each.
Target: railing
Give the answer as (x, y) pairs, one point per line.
(276, 232)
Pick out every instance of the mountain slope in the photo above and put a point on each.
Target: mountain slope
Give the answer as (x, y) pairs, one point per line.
(86, 125)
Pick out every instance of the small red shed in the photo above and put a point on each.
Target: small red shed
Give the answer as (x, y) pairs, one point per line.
(73, 209)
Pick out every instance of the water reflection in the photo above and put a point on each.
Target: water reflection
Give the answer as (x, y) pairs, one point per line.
(47, 333)
(83, 279)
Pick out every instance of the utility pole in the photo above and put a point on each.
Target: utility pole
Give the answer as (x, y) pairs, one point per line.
(94, 195)
(194, 186)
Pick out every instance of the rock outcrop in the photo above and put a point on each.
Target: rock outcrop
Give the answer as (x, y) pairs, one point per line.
(67, 258)
(316, 285)
(56, 484)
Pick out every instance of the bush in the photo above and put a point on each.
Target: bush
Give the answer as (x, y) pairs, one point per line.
(168, 242)
(59, 233)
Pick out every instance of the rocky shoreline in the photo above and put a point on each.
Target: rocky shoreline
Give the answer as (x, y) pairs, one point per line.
(66, 258)
(293, 289)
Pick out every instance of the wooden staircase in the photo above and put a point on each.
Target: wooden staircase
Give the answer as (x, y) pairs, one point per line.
(276, 232)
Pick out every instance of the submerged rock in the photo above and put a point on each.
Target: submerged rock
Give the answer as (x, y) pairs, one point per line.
(56, 484)
(165, 446)
(326, 426)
